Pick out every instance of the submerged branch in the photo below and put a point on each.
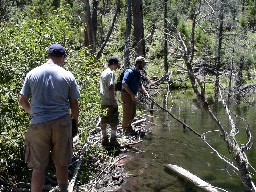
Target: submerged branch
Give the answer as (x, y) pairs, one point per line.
(184, 124)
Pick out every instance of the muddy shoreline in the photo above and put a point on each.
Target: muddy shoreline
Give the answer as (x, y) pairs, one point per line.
(113, 176)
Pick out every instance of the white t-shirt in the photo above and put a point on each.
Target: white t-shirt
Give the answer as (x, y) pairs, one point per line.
(107, 78)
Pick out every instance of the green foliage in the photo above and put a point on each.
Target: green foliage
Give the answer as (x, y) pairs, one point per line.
(31, 26)
(87, 73)
(185, 29)
(243, 21)
(23, 46)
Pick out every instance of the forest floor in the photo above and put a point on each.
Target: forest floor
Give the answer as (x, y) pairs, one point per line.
(112, 175)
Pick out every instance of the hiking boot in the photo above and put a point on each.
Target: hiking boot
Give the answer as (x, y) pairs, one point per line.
(114, 142)
(105, 141)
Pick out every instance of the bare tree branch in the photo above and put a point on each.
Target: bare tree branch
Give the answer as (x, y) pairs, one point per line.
(110, 30)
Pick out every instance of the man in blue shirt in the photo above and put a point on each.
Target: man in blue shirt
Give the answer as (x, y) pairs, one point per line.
(131, 84)
(48, 93)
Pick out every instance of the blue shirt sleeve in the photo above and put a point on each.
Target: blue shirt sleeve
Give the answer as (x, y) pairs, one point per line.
(127, 76)
(74, 90)
(25, 90)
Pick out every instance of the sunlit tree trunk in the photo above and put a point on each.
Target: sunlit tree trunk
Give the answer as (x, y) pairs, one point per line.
(139, 41)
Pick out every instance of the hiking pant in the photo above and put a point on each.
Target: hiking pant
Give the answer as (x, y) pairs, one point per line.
(129, 110)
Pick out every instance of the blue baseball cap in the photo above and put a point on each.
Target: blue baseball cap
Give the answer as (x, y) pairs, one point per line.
(57, 50)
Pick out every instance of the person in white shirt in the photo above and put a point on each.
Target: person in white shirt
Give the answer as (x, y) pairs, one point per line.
(109, 113)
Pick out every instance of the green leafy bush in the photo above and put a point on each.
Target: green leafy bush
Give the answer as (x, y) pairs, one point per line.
(24, 43)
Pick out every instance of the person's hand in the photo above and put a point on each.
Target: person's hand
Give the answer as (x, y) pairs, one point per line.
(147, 95)
(133, 97)
(74, 127)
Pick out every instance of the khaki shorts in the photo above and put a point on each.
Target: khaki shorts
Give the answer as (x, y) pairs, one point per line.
(52, 137)
(109, 115)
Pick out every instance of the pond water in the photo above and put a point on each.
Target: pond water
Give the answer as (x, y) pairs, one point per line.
(169, 143)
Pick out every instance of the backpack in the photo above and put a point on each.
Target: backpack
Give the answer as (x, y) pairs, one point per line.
(118, 85)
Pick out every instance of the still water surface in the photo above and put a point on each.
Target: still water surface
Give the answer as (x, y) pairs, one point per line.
(170, 143)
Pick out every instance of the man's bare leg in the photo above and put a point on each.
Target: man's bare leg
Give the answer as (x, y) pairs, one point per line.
(37, 180)
(62, 177)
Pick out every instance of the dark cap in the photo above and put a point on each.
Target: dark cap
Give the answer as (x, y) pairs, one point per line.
(141, 59)
(56, 50)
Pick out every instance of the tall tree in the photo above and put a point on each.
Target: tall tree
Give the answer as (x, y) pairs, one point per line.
(139, 41)
(128, 34)
(165, 37)
(118, 7)
(1, 10)
(89, 40)
(94, 20)
(219, 46)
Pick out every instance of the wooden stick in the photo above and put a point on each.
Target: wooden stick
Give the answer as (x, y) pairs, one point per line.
(73, 180)
(139, 121)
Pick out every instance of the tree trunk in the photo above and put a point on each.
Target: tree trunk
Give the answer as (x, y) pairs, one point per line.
(219, 47)
(110, 30)
(1, 11)
(239, 77)
(165, 37)
(230, 76)
(128, 34)
(139, 41)
(94, 23)
(88, 33)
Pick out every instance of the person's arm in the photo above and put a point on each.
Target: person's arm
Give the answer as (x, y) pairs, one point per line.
(74, 109)
(74, 113)
(142, 88)
(25, 103)
(128, 90)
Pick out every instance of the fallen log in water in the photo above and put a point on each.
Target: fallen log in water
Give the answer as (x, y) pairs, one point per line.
(193, 178)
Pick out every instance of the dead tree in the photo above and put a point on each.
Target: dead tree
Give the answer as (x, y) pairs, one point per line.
(219, 47)
(110, 30)
(237, 151)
